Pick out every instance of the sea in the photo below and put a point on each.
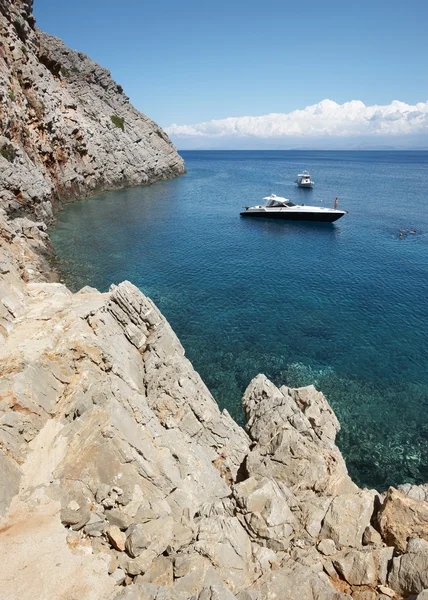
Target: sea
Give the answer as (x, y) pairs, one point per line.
(342, 306)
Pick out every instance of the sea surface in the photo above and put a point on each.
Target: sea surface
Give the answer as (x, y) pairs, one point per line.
(343, 306)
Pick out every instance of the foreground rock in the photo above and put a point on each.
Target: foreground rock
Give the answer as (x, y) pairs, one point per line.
(106, 428)
(402, 518)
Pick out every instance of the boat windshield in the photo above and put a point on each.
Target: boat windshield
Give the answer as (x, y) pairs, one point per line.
(279, 203)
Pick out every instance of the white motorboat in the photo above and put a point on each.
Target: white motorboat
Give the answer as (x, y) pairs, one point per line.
(276, 207)
(304, 180)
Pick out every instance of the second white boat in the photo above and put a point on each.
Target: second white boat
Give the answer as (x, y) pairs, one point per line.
(304, 180)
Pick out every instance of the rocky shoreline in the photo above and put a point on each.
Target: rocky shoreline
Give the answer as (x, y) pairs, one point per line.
(121, 478)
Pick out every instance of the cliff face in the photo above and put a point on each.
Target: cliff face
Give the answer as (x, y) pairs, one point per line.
(120, 479)
(67, 129)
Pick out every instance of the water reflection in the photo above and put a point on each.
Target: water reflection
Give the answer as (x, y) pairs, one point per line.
(286, 228)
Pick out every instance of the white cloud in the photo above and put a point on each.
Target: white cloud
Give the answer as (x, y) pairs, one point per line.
(325, 120)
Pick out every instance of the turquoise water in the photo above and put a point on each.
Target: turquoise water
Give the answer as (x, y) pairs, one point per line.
(343, 305)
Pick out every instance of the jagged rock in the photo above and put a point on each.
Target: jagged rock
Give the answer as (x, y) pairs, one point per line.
(11, 474)
(118, 518)
(357, 567)
(160, 572)
(294, 578)
(152, 537)
(364, 595)
(76, 519)
(151, 591)
(215, 592)
(327, 547)
(119, 576)
(383, 559)
(290, 447)
(312, 512)
(409, 572)
(309, 557)
(116, 537)
(417, 492)
(371, 537)
(266, 558)
(402, 517)
(225, 542)
(96, 525)
(348, 517)
(266, 513)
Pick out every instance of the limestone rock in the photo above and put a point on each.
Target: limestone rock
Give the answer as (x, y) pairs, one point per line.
(409, 573)
(225, 542)
(266, 513)
(160, 572)
(118, 518)
(348, 517)
(364, 595)
(151, 591)
(402, 517)
(153, 536)
(371, 537)
(75, 518)
(119, 576)
(10, 476)
(290, 446)
(383, 559)
(357, 567)
(417, 492)
(327, 547)
(116, 537)
(285, 582)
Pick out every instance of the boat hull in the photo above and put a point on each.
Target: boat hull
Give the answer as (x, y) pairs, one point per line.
(296, 216)
(305, 185)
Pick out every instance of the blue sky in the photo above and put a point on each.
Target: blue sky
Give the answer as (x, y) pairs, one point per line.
(188, 62)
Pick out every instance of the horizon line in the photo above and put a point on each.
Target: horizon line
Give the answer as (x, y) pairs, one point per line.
(302, 149)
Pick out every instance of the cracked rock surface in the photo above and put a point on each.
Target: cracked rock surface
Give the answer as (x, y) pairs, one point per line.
(115, 454)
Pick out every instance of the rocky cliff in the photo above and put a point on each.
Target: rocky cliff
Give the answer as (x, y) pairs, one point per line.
(120, 477)
(67, 129)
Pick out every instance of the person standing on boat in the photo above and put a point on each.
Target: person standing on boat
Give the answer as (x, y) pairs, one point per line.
(336, 202)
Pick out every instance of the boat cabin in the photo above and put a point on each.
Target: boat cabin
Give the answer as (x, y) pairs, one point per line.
(277, 201)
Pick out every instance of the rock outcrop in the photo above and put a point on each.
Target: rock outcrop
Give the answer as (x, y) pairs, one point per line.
(117, 460)
(120, 477)
(67, 130)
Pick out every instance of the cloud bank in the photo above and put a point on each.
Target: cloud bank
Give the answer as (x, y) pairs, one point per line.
(325, 123)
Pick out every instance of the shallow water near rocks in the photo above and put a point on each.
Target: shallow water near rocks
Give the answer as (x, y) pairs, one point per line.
(342, 306)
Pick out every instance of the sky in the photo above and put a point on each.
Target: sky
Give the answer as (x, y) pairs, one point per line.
(192, 62)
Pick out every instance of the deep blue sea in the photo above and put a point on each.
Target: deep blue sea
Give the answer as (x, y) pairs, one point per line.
(342, 306)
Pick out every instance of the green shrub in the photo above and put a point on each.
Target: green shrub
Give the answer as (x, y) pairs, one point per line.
(8, 152)
(118, 121)
(12, 95)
